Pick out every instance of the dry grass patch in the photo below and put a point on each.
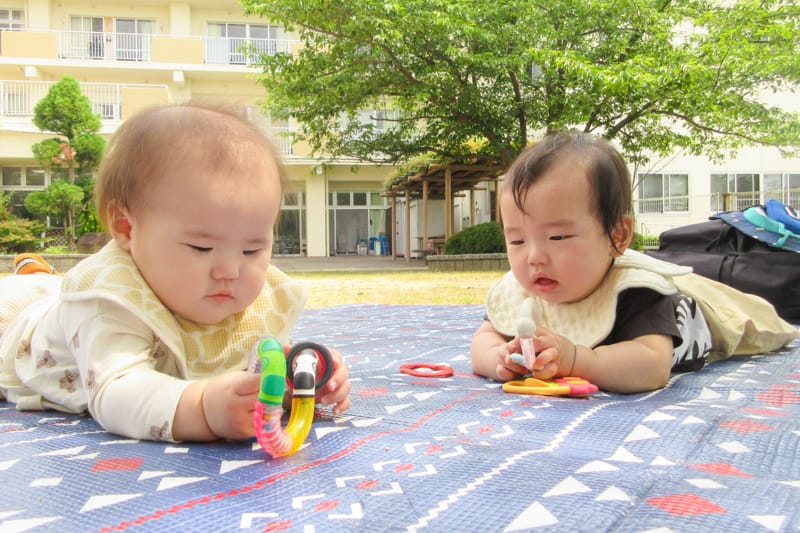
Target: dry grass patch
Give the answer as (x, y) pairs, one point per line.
(326, 289)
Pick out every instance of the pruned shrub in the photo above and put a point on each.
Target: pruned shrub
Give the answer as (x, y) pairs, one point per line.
(485, 238)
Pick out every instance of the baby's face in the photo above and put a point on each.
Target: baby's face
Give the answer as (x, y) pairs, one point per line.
(203, 241)
(557, 248)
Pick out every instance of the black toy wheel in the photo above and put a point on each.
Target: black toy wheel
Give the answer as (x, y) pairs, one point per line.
(324, 362)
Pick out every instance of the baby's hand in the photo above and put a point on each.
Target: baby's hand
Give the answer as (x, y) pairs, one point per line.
(228, 404)
(507, 367)
(336, 391)
(550, 347)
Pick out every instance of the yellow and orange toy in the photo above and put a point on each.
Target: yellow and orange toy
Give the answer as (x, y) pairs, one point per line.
(566, 386)
(30, 263)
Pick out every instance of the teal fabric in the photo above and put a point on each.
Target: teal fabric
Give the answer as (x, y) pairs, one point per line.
(755, 223)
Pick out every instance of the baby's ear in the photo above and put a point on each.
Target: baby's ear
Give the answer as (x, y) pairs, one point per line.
(119, 225)
(622, 235)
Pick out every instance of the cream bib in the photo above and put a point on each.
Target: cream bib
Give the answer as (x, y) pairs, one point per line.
(199, 350)
(588, 321)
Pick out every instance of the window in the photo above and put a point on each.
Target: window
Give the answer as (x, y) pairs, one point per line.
(228, 42)
(356, 199)
(783, 187)
(355, 218)
(132, 39)
(663, 193)
(278, 129)
(290, 231)
(85, 38)
(16, 104)
(35, 177)
(291, 199)
(793, 190)
(735, 191)
(342, 198)
(380, 116)
(12, 176)
(16, 177)
(106, 111)
(264, 39)
(11, 19)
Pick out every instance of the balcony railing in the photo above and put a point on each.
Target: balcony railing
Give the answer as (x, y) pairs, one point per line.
(672, 204)
(19, 98)
(112, 46)
(237, 51)
(104, 45)
(716, 202)
(282, 138)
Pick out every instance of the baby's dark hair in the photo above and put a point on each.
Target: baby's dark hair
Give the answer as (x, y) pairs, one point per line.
(609, 178)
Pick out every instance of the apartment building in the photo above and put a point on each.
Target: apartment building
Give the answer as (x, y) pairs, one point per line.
(127, 56)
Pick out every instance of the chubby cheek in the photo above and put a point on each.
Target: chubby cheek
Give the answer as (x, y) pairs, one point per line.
(251, 281)
(519, 266)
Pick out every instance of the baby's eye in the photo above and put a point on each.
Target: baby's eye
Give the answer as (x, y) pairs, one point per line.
(516, 242)
(559, 237)
(251, 252)
(199, 248)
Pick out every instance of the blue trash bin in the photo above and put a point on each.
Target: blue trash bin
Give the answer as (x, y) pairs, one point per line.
(383, 241)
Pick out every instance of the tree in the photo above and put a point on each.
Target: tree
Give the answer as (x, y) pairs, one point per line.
(655, 76)
(16, 234)
(67, 112)
(59, 199)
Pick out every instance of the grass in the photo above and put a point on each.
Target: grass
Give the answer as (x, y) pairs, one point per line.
(326, 289)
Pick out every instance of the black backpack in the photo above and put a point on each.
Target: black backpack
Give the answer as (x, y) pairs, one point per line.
(719, 251)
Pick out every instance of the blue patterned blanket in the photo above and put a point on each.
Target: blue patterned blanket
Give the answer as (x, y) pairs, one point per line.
(716, 450)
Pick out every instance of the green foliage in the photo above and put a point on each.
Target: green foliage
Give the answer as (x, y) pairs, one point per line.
(87, 217)
(486, 238)
(58, 250)
(47, 152)
(19, 234)
(448, 72)
(67, 112)
(56, 200)
(5, 203)
(641, 242)
(89, 150)
(59, 199)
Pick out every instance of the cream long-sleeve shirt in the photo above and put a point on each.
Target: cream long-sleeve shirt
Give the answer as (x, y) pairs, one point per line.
(103, 342)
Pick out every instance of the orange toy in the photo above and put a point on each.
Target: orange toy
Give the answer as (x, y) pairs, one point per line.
(566, 386)
(30, 263)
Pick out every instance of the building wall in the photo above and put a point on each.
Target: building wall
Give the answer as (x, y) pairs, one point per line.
(176, 72)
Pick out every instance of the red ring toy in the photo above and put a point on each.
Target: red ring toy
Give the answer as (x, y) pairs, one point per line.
(436, 371)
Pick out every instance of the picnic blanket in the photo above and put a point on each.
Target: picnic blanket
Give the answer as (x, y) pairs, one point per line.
(716, 450)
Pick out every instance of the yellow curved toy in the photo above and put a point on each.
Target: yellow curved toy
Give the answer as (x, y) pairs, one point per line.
(275, 440)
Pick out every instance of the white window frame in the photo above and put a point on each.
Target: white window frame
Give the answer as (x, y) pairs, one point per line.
(667, 201)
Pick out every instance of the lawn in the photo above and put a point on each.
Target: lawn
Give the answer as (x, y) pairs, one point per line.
(327, 289)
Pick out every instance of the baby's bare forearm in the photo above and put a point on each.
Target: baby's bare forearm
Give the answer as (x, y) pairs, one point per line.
(190, 422)
(626, 367)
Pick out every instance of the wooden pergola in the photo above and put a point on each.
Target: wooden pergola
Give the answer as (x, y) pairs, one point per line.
(437, 182)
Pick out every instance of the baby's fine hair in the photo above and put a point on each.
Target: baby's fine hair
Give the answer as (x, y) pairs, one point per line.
(608, 175)
(191, 136)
